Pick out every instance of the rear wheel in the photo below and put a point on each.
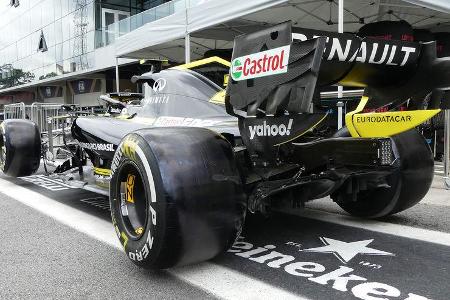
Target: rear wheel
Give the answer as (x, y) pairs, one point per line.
(20, 147)
(404, 188)
(176, 196)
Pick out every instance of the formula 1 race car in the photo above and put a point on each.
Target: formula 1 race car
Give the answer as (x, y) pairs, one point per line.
(185, 161)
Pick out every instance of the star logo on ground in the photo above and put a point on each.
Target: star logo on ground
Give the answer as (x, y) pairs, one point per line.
(345, 251)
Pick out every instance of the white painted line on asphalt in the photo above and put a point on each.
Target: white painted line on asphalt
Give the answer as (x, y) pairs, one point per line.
(426, 235)
(220, 281)
(93, 226)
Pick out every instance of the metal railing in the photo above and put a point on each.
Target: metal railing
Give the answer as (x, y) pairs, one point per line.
(15, 111)
(52, 119)
(48, 116)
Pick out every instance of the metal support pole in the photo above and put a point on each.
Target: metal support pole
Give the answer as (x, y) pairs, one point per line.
(117, 75)
(341, 16)
(447, 149)
(187, 47)
(340, 104)
(434, 144)
(50, 154)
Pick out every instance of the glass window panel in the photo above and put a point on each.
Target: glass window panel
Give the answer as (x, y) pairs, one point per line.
(148, 16)
(31, 44)
(14, 30)
(67, 66)
(36, 17)
(48, 13)
(35, 37)
(89, 12)
(49, 34)
(59, 52)
(49, 57)
(58, 32)
(21, 51)
(33, 3)
(72, 5)
(26, 64)
(58, 9)
(35, 61)
(27, 45)
(162, 11)
(124, 26)
(122, 16)
(109, 18)
(2, 57)
(90, 38)
(12, 52)
(60, 68)
(67, 27)
(25, 21)
(67, 49)
(98, 16)
(64, 7)
(90, 58)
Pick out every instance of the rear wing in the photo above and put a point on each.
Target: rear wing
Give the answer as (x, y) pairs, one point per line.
(271, 73)
(389, 71)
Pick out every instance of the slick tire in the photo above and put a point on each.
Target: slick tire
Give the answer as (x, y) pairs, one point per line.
(408, 185)
(20, 147)
(176, 196)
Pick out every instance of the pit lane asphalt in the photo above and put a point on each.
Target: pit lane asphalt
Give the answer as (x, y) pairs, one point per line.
(433, 212)
(42, 257)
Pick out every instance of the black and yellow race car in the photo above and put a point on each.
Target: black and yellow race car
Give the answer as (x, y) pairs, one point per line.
(186, 160)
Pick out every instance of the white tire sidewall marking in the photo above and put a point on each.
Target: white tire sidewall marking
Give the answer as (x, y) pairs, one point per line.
(139, 255)
(148, 172)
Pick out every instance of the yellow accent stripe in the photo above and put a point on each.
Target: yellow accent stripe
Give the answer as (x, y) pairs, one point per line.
(304, 132)
(218, 98)
(349, 117)
(372, 125)
(202, 62)
(101, 171)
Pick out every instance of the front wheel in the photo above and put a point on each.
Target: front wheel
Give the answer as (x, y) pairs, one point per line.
(403, 189)
(20, 147)
(176, 196)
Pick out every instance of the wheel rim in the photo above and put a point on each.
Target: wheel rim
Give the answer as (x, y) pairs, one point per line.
(133, 203)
